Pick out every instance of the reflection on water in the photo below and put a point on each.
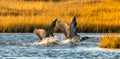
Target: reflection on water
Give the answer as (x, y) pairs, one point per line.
(15, 45)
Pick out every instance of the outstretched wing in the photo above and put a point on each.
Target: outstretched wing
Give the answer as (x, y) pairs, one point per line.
(64, 27)
(41, 33)
(50, 29)
(73, 30)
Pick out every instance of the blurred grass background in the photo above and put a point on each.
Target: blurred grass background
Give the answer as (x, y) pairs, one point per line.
(98, 16)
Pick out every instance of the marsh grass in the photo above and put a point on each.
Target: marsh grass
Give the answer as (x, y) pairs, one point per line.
(92, 15)
(111, 41)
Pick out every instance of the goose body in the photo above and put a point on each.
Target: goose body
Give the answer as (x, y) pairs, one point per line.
(70, 32)
(46, 36)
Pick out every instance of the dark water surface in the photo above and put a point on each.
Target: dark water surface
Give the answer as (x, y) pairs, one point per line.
(19, 45)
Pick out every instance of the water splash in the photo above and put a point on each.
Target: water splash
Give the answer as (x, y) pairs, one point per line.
(47, 41)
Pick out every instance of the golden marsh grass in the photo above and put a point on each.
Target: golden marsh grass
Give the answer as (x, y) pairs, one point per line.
(92, 15)
(110, 42)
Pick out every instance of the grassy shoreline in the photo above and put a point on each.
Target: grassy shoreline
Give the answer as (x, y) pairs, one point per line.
(110, 42)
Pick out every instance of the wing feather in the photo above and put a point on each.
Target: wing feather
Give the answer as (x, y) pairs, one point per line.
(64, 27)
(50, 29)
(41, 33)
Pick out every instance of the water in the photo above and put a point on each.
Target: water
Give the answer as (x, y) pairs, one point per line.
(20, 46)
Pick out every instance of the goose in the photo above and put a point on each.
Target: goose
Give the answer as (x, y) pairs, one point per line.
(70, 32)
(46, 36)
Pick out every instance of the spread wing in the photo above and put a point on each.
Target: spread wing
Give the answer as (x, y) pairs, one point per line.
(50, 29)
(73, 30)
(64, 27)
(41, 33)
